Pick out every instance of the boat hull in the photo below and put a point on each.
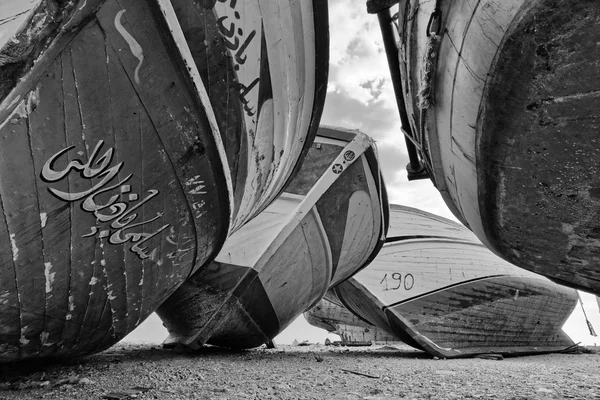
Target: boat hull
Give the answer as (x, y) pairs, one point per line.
(264, 65)
(504, 99)
(331, 315)
(326, 225)
(91, 154)
(454, 298)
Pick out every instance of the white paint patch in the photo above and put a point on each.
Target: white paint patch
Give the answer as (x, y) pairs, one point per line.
(23, 340)
(111, 296)
(93, 281)
(141, 281)
(49, 276)
(43, 219)
(134, 46)
(71, 308)
(103, 262)
(15, 249)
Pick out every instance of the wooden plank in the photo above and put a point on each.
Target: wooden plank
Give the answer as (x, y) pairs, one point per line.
(453, 297)
(285, 249)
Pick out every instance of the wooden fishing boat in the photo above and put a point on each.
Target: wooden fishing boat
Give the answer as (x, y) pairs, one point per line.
(328, 223)
(440, 290)
(121, 172)
(499, 104)
(331, 315)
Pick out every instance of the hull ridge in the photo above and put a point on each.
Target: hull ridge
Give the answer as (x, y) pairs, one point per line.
(327, 224)
(447, 294)
(503, 106)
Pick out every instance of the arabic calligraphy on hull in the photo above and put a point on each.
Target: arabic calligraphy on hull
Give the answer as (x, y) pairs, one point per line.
(117, 217)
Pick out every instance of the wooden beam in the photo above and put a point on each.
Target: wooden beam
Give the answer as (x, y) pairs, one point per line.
(374, 6)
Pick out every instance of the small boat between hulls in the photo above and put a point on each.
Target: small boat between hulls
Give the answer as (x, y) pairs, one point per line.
(499, 103)
(125, 159)
(331, 315)
(440, 290)
(328, 223)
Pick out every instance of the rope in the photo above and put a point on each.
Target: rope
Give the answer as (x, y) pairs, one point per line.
(587, 321)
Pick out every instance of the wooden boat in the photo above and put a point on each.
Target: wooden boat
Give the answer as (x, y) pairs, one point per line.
(440, 290)
(500, 105)
(329, 222)
(120, 171)
(331, 315)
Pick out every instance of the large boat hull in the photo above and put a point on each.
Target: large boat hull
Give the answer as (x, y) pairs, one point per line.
(328, 223)
(120, 172)
(502, 98)
(452, 297)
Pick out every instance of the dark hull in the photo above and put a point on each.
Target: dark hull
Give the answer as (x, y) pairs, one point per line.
(282, 262)
(545, 220)
(506, 115)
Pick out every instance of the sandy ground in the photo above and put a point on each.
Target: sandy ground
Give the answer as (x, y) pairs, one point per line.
(146, 371)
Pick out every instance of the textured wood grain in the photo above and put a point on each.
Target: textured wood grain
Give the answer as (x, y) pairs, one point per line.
(515, 84)
(107, 201)
(264, 66)
(452, 297)
(316, 234)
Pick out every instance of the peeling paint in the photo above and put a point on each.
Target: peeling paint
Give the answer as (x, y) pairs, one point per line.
(15, 249)
(71, 308)
(93, 281)
(43, 219)
(110, 295)
(49, 276)
(23, 340)
(134, 46)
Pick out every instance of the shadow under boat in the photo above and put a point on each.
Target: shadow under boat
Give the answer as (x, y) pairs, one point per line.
(328, 223)
(437, 288)
(499, 104)
(128, 153)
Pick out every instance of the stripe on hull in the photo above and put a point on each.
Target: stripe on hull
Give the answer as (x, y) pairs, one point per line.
(331, 211)
(453, 297)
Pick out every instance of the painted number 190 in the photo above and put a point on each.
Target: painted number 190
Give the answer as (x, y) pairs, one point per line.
(396, 281)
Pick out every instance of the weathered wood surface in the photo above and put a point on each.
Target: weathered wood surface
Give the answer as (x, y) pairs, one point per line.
(121, 170)
(327, 224)
(264, 65)
(91, 154)
(452, 297)
(331, 315)
(511, 134)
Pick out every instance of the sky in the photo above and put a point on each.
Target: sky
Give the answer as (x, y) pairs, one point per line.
(360, 96)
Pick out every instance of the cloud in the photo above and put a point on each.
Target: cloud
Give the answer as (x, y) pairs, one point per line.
(360, 96)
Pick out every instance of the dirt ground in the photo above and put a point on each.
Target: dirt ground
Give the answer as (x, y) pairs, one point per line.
(146, 371)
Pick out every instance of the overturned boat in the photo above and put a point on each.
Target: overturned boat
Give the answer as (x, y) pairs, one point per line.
(328, 223)
(498, 102)
(331, 315)
(128, 154)
(437, 288)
